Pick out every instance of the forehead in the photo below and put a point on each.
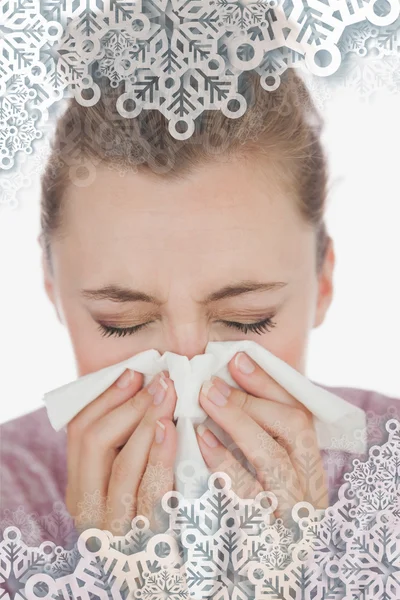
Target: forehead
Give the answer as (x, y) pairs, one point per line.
(234, 213)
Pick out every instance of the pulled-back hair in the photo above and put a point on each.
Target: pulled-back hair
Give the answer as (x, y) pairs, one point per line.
(283, 123)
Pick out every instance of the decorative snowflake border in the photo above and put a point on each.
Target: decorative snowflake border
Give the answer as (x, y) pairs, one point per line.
(220, 546)
(180, 57)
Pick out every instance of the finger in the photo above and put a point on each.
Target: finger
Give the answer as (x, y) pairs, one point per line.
(129, 466)
(282, 421)
(158, 478)
(273, 467)
(119, 392)
(128, 384)
(258, 382)
(100, 442)
(218, 458)
(293, 429)
(307, 461)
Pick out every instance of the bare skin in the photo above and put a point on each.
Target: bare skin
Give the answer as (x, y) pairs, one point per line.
(179, 242)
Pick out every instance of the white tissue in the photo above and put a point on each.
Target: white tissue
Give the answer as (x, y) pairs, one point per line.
(333, 416)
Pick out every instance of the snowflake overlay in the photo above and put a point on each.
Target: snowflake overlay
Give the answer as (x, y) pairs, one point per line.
(221, 546)
(180, 57)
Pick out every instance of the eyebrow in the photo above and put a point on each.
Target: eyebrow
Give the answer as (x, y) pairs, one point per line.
(122, 294)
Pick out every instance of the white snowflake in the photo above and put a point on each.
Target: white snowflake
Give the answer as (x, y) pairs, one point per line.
(167, 584)
(93, 509)
(222, 546)
(343, 444)
(240, 15)
(124, 158)
(180, 58)
(26, 523)
(156, 479)
(272, 435)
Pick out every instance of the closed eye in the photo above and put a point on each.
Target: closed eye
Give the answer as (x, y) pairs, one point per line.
(259, 327)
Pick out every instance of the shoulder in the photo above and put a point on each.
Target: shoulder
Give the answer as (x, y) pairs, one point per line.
(379, 409)
(32, 433)
(33, 463)
(370, 401)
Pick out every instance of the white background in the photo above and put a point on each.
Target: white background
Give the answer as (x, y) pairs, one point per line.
(358, 345)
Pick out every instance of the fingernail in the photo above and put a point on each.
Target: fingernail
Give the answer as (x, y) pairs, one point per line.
(222, 386)
(152, 386)
(207, 436)
(212, 393)
(125, 379)
(244, 364)
(158, 388)
(161, 391)
(160, 432)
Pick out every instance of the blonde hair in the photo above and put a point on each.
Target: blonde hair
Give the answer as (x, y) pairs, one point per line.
(283, 123)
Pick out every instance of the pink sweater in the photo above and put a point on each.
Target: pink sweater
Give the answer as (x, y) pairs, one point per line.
(33, 473)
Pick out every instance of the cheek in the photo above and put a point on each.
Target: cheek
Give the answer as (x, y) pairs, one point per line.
(90, 357)
(95, 352)
(291, 345)
(91, 350)
(294, 355)
(87, 349)
(292, 351)
(289, 340)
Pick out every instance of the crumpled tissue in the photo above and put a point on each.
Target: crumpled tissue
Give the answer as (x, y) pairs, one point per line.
(333, 416)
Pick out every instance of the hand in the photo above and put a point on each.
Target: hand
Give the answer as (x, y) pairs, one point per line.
(120, 454)
(275, 433)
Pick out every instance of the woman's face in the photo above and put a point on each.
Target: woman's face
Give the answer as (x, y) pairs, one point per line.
(224, 244)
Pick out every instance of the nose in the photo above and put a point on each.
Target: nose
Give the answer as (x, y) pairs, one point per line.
(188, 339)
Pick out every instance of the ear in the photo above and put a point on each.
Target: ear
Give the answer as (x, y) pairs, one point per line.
(48, 278)
(325, 285)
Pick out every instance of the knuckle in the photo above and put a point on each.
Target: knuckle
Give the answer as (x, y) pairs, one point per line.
(88, 440)
(95, 438)
(300, 419)
(120, 470)
(137, 402)
(75, 428)
(245, 402)
(148, 419)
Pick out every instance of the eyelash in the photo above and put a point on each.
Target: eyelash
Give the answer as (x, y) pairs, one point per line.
(259, 327)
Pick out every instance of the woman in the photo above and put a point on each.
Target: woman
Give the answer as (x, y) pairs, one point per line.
(219, 237)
